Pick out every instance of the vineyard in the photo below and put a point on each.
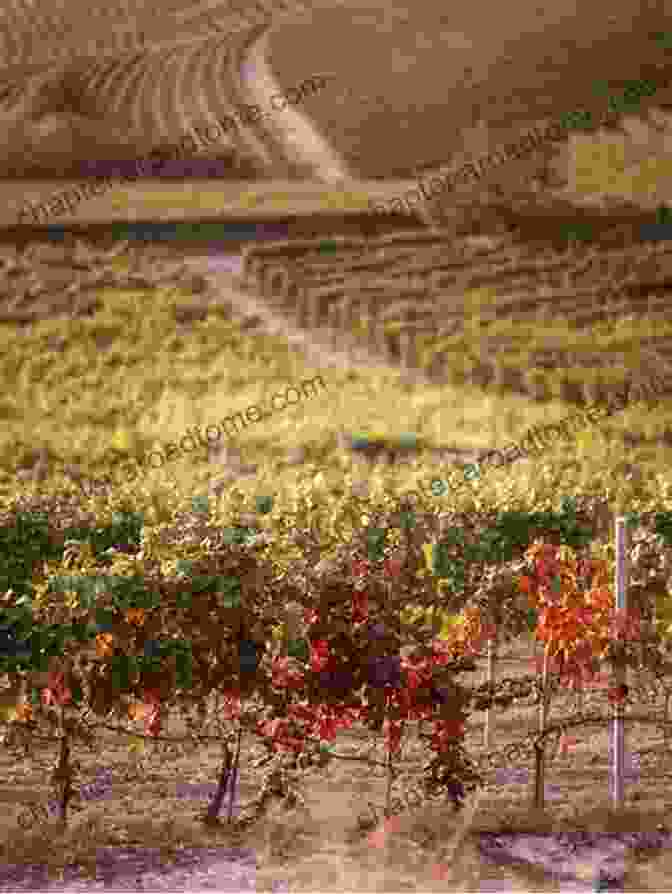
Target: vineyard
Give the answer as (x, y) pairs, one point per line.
(146, 633)
(430, 301)
(258, 657)
(280, 664)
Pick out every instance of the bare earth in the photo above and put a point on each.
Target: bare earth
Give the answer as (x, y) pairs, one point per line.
(319, 845)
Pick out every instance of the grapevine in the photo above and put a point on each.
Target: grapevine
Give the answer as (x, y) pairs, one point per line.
(371, 646)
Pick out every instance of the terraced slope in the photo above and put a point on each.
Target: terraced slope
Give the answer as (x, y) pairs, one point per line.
(149, 95)
(124, 104)
(53, 31)
(145, 73)
(488, 311)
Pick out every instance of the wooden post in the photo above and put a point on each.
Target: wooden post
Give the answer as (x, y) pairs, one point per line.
(407, 350)
(538, 797)
(539, 780)
(315, 312)
(489, 714)
(302, 309)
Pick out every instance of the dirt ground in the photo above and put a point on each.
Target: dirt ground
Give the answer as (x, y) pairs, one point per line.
(320, 843)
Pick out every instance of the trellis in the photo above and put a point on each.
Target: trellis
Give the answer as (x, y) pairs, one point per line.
(617, 766)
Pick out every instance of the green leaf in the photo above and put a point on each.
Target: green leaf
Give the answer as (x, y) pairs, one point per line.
(104, 619)
(298, 648)
(200, 583)
(579, 119)
(408, 440)
(602, 88)
(183, 600)
(122, 667)
(236, 535)
(471, 472)
(580, 232)
(264, 505)
(473, 552)
(83, 632)
(228, 584)
(183, 670)
(60, 633)
(201, 504)
(60, 583)
(664, 38)
(438, 487)
(182, 651)
(39, 661)
(569, 505)
(87, 591)
(148, 664)
(230, 536)
(180, 645)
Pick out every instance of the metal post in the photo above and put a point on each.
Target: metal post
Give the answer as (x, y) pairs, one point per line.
(618, 726)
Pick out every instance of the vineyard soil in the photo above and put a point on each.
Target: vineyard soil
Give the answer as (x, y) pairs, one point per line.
(319, 843)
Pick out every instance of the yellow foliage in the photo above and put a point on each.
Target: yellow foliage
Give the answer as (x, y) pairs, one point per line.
(602, 165)
(137, 745)
(121, 440)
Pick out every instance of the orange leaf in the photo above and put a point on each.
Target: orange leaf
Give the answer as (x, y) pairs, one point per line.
(136, 711)
(24, 712)
(135, 616)
(104, 644)
(525, 584)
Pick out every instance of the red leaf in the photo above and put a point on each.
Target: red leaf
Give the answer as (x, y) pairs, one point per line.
(153, 722)
(152, 696)
(360, 568)
(360, 607)
(393, 566)
(310, 616)
(327, 728)
(319, 655)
